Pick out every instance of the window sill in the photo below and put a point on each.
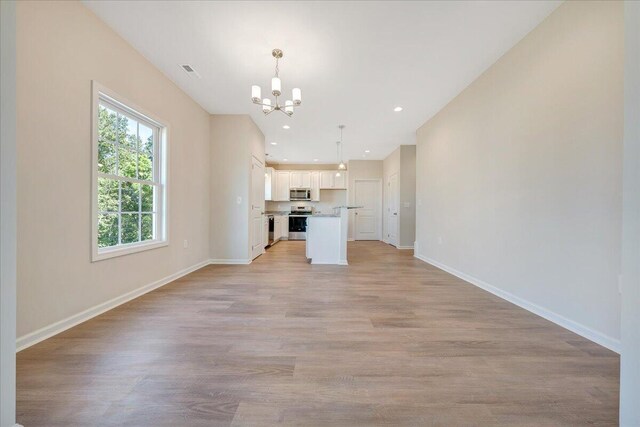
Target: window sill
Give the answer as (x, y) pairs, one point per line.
(132, 248)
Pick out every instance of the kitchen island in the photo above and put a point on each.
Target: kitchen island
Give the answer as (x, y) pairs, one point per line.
(327, 238)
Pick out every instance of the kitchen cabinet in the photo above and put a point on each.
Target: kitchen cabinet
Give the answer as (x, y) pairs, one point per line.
(329, 180)
(300, 179)
(265, 233)
(277, 228)
(284, 227)
(269, 184)
(282, 185)
(326, 179)
(280, 228)
(340, 182)
(315, 186)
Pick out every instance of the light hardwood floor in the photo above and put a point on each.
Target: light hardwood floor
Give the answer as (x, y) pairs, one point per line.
(388, 340)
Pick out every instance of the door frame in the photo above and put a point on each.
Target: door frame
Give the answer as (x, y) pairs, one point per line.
(385, 230)
(262, 209)
(380, 216)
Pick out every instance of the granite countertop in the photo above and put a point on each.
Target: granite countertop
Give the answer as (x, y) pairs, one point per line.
(277, 213)
(326, 216)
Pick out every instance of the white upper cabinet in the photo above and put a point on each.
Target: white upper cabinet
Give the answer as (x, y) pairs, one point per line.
(315, 186)
(269, 184)
(326, 179)
(282, 185)
(306, 179)
(329, 180)
(340, 182)
(300, 179)
(279, 182)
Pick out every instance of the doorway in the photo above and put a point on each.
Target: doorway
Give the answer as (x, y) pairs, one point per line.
(368, 222)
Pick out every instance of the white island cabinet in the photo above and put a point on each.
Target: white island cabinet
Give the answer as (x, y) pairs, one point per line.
(327, 238)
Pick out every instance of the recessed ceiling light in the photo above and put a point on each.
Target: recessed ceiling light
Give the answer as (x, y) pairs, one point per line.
(315, 160)
(367, 151)
(286, 127)
(284, 160)
(397, 109)
(274, 143)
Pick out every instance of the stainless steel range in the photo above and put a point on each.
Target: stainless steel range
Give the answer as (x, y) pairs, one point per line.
(298, 222)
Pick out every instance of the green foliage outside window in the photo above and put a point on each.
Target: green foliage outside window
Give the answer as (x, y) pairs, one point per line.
(126, 209)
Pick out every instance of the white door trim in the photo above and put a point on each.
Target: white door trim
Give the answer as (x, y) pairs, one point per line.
(380, 215)
(253, 251)
(387, 215)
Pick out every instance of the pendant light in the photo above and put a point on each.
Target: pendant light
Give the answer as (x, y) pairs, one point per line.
(338, 156)
(341, 165)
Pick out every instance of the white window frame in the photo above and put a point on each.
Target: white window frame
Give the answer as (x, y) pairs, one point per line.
(160, 163)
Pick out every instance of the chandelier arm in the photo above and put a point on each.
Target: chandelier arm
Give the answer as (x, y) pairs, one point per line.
(283, 112)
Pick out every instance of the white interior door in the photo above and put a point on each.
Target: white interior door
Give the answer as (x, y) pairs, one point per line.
(257, 207)
(392, 209)
(367, 219)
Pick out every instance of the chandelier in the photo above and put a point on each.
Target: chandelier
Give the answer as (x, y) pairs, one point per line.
(276, 89)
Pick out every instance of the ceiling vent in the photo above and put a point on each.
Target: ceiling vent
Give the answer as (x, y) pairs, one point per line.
(190, 70)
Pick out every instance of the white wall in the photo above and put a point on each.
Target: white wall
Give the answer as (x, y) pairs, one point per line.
(520, 175)
(391, 166)
(7, 213)
(234, 140)
(402, 161)
(62, 47)
(630, 357)
(407, 233)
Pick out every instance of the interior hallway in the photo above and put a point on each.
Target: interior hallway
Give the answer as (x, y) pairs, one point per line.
(387, 340)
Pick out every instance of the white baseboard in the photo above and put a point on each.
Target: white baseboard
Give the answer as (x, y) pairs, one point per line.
(230, 261)
(584, 331)
(41, 334)
(404, 247)
(351, 239)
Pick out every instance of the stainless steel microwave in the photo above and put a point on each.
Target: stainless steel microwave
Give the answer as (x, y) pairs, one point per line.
(299, 194)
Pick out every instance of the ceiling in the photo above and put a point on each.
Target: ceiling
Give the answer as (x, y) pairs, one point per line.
(354, 61)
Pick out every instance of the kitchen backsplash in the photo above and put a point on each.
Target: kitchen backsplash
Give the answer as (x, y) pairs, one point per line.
(328, 200)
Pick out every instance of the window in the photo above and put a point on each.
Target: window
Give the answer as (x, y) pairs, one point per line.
(129, 186)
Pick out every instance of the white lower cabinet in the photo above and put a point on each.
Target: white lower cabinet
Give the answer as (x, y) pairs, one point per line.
(277, 228)
(285, 227)
(265, 234)
(280, 228)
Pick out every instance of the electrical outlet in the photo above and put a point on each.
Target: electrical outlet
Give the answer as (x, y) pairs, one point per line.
(186, 243)
(238, 200)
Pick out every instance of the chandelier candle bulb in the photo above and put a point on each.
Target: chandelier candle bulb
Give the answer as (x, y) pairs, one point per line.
(266, 105)
(296, 95)
(276, 86)
(288, 107)
(256, 94)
